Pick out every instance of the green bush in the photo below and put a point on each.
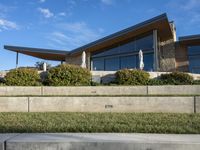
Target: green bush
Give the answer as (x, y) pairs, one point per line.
(177, 78)
(155, 82)
(132, 77)
(196, 82)
(22, 77)
(68, 75)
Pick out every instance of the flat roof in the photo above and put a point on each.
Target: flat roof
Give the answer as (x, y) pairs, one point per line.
(190, 39)
(47, 54)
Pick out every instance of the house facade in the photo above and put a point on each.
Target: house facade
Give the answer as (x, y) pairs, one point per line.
(156, 38)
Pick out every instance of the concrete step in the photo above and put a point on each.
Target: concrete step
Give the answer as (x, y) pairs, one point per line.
(101, 141)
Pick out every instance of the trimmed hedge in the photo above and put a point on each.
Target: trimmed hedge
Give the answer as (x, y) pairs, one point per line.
(132, 77)
(100, 122)
(177, 78)
(22, 77)
(196, 82)
(68, 75)
(155, 82)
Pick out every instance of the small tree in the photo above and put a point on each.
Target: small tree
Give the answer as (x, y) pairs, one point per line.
(39, 65)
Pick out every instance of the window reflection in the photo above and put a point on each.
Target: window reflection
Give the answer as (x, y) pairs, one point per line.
(112, 64)
(98, 64)
(194, 59)
(125, 56)
(128, 62)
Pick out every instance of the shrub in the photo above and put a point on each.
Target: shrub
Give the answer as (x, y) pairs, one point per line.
(67, 75)
(177, 78)
(196, 82)
(22, 77)
(95, 83)
(155, 82)
(132, 77)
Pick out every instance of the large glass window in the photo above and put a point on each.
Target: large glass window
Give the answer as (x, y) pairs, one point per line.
(128, 62)
(148, 62)
(145, 43)
(194, 59)
(98, 64)
(125, 56)
(112, 64)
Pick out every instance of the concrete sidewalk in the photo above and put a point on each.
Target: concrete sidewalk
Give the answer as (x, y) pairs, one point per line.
(99, 141)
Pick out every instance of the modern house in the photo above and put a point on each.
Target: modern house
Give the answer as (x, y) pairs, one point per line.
(156, 37)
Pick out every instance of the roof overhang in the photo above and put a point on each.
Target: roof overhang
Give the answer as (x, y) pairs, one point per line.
(159, 23)
(190, 40)
(47, 54)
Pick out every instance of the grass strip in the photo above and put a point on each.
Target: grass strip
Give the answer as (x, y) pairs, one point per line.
(100, 122)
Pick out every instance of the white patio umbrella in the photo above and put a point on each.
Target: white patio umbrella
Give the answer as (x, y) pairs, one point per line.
(83, 64)
(141, 62)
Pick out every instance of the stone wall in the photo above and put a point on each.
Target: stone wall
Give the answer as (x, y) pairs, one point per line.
(76, 60)
(182, 63)
(167, 56)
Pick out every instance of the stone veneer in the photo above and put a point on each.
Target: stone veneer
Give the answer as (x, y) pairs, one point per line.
(166, 56)
(76, 60)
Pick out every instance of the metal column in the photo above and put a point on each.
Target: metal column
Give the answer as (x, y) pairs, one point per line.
(155, 45)
(17, 59)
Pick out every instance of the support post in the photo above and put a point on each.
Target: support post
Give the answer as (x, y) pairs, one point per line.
(17, 59)
(155, 45)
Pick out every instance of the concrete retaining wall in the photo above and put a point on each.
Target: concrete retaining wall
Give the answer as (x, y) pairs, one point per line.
(96, 90)
(14, 104)
(100, 90)
(174, 90)
(174, 99)
(20, 90)
(112, 104)
(100, 104)
(197, 104)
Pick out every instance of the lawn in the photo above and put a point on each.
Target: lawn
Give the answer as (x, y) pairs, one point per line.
(100, 122)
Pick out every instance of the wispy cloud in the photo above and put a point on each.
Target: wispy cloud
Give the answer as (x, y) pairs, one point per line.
(62, 14)
(4, 9)
(186, 14)
(72, 35)
(42, 1)
(46, 12)
(190, 4)
(7, 25)
(107, 2)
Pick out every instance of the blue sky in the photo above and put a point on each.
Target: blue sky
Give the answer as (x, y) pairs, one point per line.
(68, 24)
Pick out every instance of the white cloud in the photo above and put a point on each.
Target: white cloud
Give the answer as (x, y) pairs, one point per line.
(191, 12)
(190, 4)
(107, 2)
(73, 35)
(42, 1)
(62, 14)
(46, 12)
(7, 25)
